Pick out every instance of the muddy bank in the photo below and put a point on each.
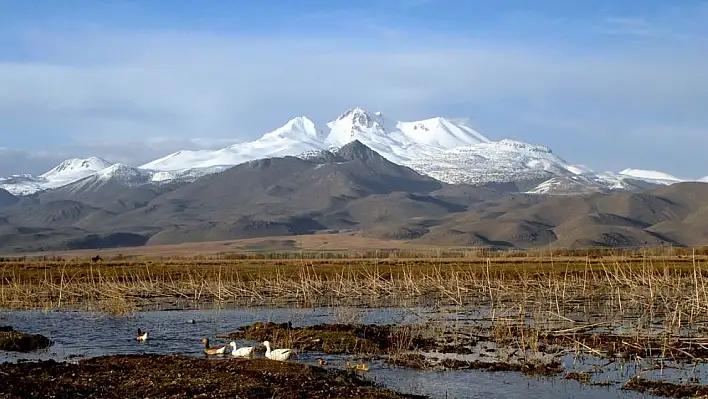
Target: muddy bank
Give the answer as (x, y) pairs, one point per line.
(604, 344)
(11, 340)
(420, 362)
(666, 389)
(367, 339)
(162, 376)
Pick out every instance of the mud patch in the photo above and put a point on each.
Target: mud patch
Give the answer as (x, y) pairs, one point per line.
(162, 376)
(11, 340)
(336, 338)
(667, 389)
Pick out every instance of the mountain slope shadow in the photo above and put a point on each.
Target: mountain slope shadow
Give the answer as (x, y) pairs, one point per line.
(283, 196)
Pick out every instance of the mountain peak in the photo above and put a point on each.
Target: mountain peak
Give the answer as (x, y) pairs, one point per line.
(361, 118)
(356, 111)
(356, 123)
(356, 150)
(76, 167)
(298, 128)
(441, 132)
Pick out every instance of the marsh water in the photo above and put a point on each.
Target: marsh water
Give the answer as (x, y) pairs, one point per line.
(82, 334)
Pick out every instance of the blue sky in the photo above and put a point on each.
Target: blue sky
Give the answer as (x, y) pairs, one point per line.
(608, 84)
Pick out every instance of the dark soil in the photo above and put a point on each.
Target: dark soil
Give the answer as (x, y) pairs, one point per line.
(161, 376)
(336, 338)
(11, 340)
(421, 363)
(666, 389)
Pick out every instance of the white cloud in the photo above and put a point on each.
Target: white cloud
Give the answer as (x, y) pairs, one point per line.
(13, 161)
(116, 91)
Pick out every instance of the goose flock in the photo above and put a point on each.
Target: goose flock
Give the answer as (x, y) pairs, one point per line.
(281, 354)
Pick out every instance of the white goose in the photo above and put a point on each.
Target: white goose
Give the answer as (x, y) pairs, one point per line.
(246, 351)
(277, 354)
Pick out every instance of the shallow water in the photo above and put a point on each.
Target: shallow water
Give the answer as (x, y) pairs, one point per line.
(82, 334)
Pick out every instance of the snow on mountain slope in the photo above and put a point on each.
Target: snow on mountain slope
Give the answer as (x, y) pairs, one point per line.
(589, 181)
(372, 130)
(651, 175)
(23, 184)
(399, 142)
(447, 150)
(441, 132)
(185, 175)
(579, 169)
(75, 169)
(396, 141)
(65, 173)
(567, 185)
(500, 162)
(120, 174)
(296, 136)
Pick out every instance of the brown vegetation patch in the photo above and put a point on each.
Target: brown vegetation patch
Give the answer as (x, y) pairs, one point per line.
(160, 376)
(11, 340)
(666, 389)
(607, 345)
(629, 347)
(336, 338)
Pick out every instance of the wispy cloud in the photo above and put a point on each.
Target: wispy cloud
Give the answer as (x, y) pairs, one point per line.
(678, 21)
(14, 161)
(628, 26)
(101, 88)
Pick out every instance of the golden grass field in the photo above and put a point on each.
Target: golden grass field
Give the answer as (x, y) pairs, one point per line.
(656, 280)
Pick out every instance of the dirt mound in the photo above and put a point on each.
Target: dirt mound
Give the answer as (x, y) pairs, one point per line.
(161, 376)
(11, 340)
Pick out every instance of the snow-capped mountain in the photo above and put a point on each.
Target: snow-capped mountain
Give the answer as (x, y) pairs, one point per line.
(450, 151)
(65, 173)
(71, 169)
(124, 175)
(397, 141)
(651, 175)
(502, 161)
(296, 136)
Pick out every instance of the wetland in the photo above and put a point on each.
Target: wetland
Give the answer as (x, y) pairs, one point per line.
(452, 326)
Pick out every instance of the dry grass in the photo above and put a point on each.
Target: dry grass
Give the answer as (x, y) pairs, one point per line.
(552, 288)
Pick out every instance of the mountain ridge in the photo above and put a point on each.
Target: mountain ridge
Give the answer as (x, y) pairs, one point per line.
(348, 190)
(447, 150)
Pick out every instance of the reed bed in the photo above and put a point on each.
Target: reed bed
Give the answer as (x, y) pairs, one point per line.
(644, 289)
